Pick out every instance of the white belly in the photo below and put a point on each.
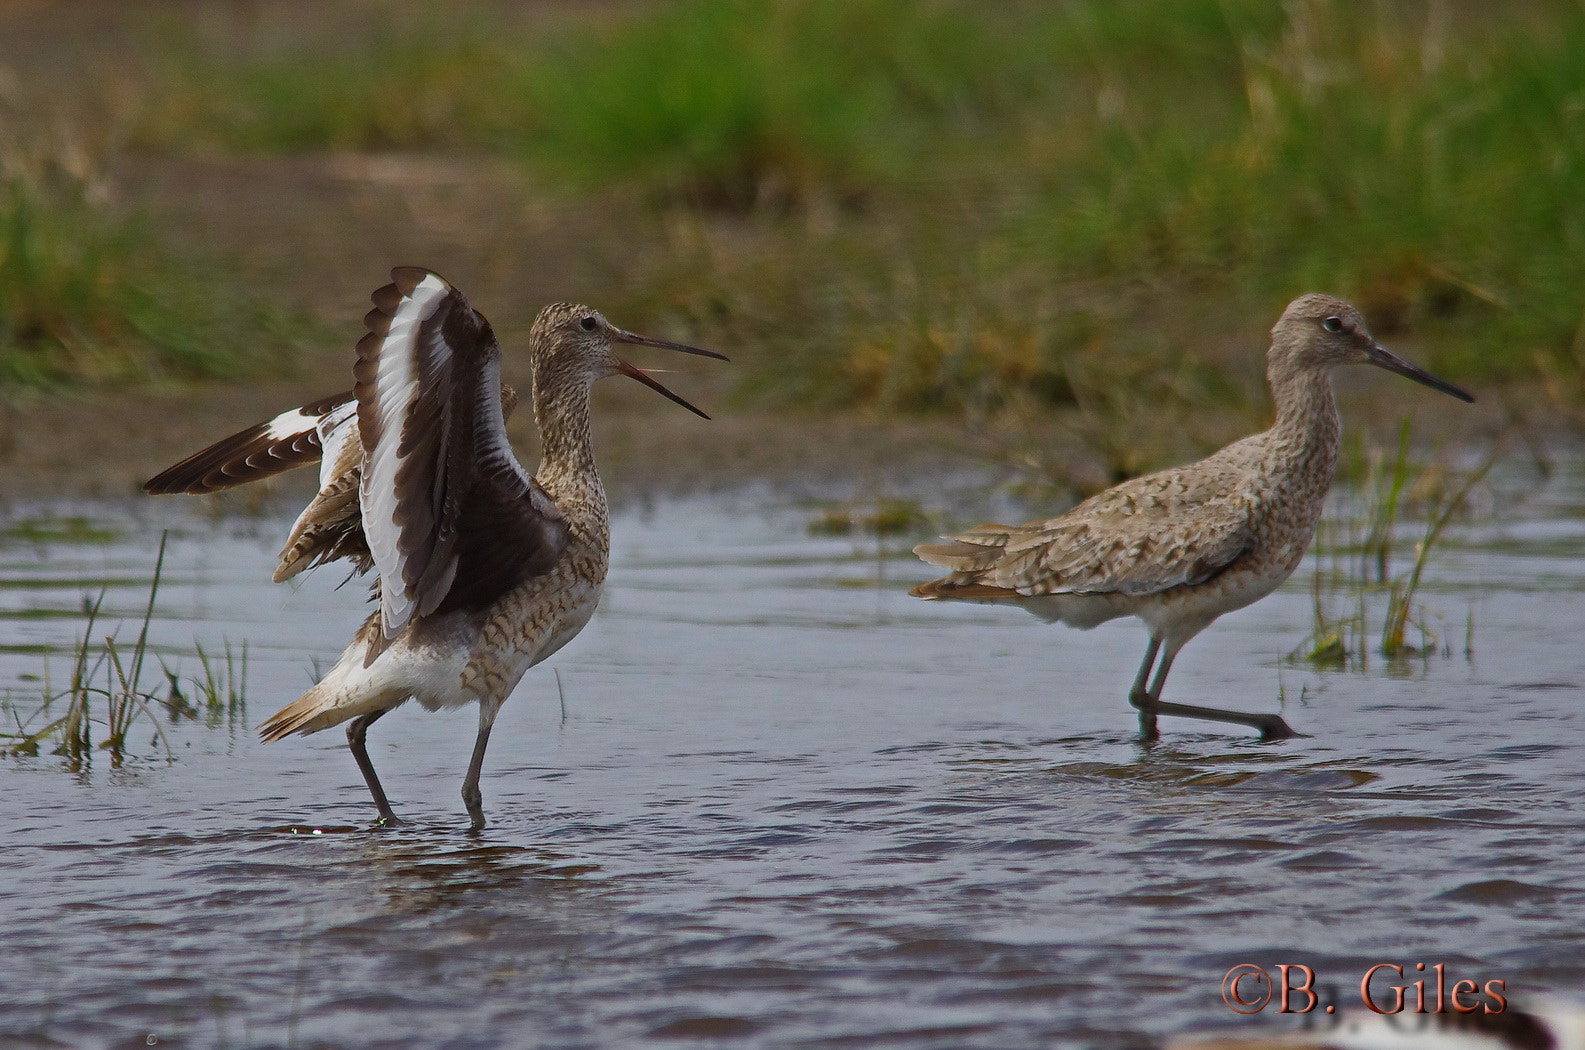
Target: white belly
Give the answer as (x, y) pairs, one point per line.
(488, 672)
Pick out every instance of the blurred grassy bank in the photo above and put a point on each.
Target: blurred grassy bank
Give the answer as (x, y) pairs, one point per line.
(1095, 206)
(89, 294)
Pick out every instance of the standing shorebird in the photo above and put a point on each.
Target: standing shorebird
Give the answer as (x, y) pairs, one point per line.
(1183, 546)
(483, 570)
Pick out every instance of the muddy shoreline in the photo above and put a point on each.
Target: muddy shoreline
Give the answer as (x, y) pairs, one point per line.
(104, 444)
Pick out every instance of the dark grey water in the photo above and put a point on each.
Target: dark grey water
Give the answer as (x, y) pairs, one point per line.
(777, 803)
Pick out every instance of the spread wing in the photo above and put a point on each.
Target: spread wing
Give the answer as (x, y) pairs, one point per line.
(1146, 535)
(452, 519)
(292, 439)
(331, 526)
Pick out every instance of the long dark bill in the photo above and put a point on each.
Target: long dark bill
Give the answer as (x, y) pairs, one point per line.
(644, 377)
(1380, 355)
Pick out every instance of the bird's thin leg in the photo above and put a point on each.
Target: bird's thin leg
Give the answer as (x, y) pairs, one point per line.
(1271, 727)
(471, 796)
(1141, 698)
(357, 729)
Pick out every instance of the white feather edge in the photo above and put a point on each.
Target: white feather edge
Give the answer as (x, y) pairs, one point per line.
(496, 448)
(336, 428)
(396, 387)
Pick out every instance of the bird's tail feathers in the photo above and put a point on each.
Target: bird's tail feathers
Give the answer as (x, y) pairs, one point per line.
(346, 692)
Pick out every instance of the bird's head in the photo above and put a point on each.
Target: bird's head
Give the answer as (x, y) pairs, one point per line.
(1320, 332)
(577, 342)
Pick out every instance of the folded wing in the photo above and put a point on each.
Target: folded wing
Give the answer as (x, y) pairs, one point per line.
(1145, 536)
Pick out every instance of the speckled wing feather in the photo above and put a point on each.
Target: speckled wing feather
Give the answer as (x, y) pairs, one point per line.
(451, 517)
(290, 440)
(1147, 535)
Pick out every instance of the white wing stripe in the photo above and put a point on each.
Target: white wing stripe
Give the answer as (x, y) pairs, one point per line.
(492, 448)
(396, 387)
(290, 424)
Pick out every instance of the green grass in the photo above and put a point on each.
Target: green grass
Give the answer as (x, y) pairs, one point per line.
(719, 102)
(739, 103)
(88, 296)
(48, 530)
(1401, 608)
(1157, 178)
(882, 517)
(1450, 205)
(218, 695)
(946, 205)
(438, 80)
(1441, 193)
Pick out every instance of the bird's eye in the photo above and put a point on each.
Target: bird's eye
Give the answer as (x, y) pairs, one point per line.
(1333, 324)
(588, 324)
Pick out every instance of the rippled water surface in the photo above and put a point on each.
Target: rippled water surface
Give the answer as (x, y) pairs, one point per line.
(773, 801)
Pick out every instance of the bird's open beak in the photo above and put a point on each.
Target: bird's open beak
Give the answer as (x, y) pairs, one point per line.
(1381, 356)
(620, 336)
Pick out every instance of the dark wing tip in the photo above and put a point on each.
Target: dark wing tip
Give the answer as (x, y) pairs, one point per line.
(385, 298)
(406, 278)
(236, 460)
(246, 455)
(165, 483)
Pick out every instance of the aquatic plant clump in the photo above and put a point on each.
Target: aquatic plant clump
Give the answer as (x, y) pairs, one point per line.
(109, 677)
(1353, 558)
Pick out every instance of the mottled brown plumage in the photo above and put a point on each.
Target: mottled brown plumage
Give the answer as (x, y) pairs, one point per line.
(1180, 547)
(483, 569)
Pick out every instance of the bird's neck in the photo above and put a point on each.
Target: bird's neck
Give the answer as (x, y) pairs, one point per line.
(1307, 426)
(566, 470)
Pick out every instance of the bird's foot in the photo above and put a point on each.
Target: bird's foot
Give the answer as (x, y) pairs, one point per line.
(1148, 733)
(389, 820)
(474, 800)
(1272, 727)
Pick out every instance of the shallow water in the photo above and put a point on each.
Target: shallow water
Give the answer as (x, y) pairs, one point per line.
(772, 801)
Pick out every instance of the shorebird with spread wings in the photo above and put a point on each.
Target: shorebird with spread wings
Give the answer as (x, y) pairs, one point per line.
(483, 569)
